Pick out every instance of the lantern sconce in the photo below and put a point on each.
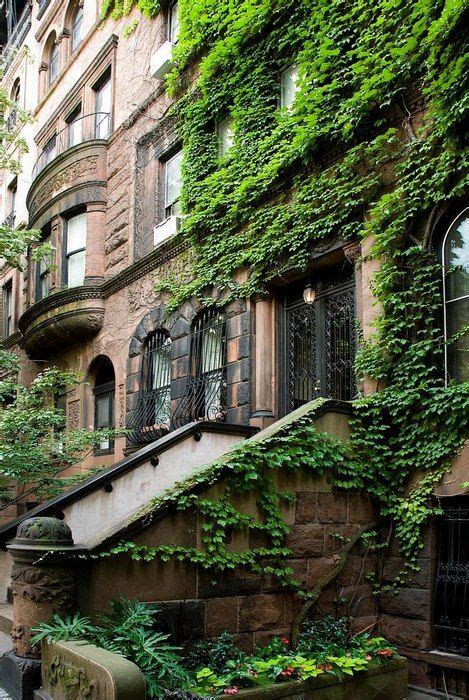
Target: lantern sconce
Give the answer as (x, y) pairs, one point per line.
(309, 294)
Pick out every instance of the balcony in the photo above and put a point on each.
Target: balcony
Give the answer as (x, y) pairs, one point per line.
(73, 164)
(61, 320)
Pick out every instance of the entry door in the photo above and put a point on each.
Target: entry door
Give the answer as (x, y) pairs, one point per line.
(320, 345)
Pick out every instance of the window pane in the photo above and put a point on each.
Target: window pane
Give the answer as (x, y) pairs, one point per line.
(76, 233)
(76, 269)
(172, 179)
(54, 63)
(174, 23)
(45, 285)
(289, 86)
(103, 110)
(457, 316)
(225, 135)
(456, 260)
(212, 349)
(77, 28)
(74, 132)
(49, 150)
(103, 414)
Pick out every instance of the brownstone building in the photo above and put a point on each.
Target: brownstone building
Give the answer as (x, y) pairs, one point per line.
(102, 182)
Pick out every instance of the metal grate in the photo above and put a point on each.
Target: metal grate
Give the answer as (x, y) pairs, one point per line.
(151, 417)
(321, 346)
(205, 395)
(451, 608)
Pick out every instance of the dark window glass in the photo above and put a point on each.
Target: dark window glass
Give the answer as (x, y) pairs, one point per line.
(455, 258)
(77, 28)
(104, 396)
(8, 309)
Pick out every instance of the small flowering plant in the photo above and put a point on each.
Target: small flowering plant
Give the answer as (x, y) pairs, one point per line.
(277, 663)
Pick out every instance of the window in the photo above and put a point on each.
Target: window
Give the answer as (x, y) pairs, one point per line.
(75, 251)
(318, 341)
(455, 262)
(225, 136)
(205, 397)
(8, 309)
(450, 606)
(288, 86)
(15, 93)
(103, 110)
(12, 190)
(59, 430)
(53, 62)
(49, 151)
(172, 185)
(153, 413)
(77, 28)
(75, 125)
(43, 276)
(173, 23)
(104, 395)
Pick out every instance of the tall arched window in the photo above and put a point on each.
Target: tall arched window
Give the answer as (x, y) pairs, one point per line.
(153, 411)
(205, 397)
(104, 396)
(455, 264)
(53, 60)
(76, 28)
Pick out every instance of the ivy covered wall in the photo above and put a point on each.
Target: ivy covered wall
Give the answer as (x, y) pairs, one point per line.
(372, 145)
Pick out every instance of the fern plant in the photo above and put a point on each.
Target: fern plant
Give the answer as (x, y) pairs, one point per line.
(128, 630)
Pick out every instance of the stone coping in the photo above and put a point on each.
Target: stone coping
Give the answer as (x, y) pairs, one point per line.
(75, 493)
(91, 671)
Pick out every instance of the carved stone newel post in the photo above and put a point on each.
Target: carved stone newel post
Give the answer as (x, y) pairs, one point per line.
(43, 582)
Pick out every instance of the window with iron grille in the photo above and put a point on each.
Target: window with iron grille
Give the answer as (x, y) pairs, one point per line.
(205, 396)
(153, 412)
(319, 343)
(451, 604)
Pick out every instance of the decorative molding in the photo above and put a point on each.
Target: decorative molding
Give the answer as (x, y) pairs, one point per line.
(42, 585)
(73, 414)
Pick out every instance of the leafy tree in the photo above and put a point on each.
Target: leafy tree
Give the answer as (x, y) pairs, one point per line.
(35, 448)
(14, 242)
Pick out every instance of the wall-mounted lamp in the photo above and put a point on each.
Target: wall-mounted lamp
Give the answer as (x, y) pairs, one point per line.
(309, 294)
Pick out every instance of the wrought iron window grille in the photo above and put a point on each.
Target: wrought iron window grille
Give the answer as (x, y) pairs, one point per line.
(451, 601)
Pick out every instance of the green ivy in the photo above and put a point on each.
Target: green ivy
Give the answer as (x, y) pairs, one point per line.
(262, 207)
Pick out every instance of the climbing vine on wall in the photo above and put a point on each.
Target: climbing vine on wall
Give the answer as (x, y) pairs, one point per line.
(371, 146)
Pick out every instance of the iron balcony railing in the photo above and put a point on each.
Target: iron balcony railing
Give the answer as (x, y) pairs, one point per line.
(10, 220)
(91, 127)
(16, 38)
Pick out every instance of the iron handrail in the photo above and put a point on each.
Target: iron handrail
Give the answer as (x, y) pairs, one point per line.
(90, 127)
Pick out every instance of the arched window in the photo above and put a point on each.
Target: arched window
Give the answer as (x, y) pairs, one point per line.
(16, 90)
(52, 58)
(455, 267)
(205, 397)
(155, 395)
(104, 395)
(76, 28)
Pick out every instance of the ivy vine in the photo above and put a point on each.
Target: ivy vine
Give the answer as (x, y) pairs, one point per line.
(372, 143)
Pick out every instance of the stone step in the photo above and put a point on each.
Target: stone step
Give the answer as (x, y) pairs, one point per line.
(6, 618)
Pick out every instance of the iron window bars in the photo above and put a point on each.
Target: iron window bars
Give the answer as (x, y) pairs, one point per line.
(451, 603)
(320, 346)
(151, 418)
(204, 397)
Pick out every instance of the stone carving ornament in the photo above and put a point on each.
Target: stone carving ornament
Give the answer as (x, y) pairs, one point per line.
(45, 531)
(73, 679)
(42, 585)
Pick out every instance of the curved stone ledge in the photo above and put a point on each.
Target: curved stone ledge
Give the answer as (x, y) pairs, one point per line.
(73, 178)
(75, 669)
(61, 320)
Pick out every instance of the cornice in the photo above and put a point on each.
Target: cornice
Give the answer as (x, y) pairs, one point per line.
(55, 300)
(12, 340)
